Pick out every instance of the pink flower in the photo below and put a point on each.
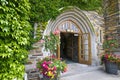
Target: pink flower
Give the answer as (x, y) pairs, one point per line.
(44, 62)
(54, 68)
(45, 66)
(49, 62)
(42, 41)
(56, 32)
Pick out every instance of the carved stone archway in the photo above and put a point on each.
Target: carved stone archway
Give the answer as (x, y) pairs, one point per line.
(85, 31)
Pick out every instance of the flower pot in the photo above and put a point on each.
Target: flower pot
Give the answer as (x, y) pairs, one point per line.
(46, 78)
(119, 66)
(111, 67)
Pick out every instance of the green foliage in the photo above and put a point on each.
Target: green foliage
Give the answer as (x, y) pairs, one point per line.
(14, 36)
(110, 44)
(44, 10)
(39, 32)
(84, 4)
(51, 42)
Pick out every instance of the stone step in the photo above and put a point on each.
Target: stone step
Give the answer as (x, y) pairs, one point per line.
(33, 75)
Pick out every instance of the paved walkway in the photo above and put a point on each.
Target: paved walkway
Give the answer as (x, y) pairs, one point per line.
(92, 75)
(78, 71)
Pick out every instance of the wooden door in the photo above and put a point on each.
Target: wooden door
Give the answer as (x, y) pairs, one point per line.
(75, 47)
(72, 46)
(84, 49)
(69, 45)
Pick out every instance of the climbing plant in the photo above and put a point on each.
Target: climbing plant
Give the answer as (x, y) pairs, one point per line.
(14, 37)
(44, 10)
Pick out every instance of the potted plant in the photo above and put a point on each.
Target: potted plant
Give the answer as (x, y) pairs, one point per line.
(111, 62)
(110, 59)
(51, 67)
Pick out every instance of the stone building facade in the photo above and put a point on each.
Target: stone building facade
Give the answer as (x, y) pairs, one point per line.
(112, 18)
(82, 33)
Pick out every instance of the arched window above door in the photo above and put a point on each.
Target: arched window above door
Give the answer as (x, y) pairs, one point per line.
(68, 26)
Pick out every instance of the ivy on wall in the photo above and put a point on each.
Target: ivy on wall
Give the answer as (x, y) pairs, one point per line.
(14, 36)
(44, 10)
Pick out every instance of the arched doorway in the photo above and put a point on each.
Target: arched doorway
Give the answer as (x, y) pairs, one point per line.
(84, 22)
(75, 44)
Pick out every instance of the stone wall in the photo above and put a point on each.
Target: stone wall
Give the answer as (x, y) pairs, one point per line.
(112, 18)
(34, 55)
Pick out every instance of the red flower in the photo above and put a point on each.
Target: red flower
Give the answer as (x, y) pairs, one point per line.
(106, 56)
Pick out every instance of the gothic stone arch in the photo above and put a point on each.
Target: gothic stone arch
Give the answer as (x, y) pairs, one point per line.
(83, 28)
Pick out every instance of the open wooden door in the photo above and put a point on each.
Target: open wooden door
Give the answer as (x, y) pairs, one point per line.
(70, 50)
(84, 48)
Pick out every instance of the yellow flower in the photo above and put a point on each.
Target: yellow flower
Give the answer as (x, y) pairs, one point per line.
(49, 73)
(52, 76)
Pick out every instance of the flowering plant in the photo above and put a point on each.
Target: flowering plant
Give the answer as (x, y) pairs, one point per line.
(109, 45)
(51, 41)
(51, 68)
(111, 58)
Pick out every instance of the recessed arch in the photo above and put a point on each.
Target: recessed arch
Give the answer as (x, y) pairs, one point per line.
(81, 19)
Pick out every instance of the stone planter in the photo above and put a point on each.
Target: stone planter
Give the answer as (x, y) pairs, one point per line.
(111, 67)
(46, 78)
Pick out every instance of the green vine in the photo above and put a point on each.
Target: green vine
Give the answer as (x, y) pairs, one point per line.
(44, 10)
(110, 44)
(14, 36)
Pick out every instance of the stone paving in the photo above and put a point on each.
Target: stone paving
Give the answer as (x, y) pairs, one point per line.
(97, 74)
(78, 71)
(77, 68)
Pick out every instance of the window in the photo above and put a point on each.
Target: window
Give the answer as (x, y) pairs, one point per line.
(68, 26)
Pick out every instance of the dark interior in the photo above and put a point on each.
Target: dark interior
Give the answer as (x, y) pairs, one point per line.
(69, 46)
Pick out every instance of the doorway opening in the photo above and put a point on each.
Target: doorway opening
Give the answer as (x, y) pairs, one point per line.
(69, 46)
